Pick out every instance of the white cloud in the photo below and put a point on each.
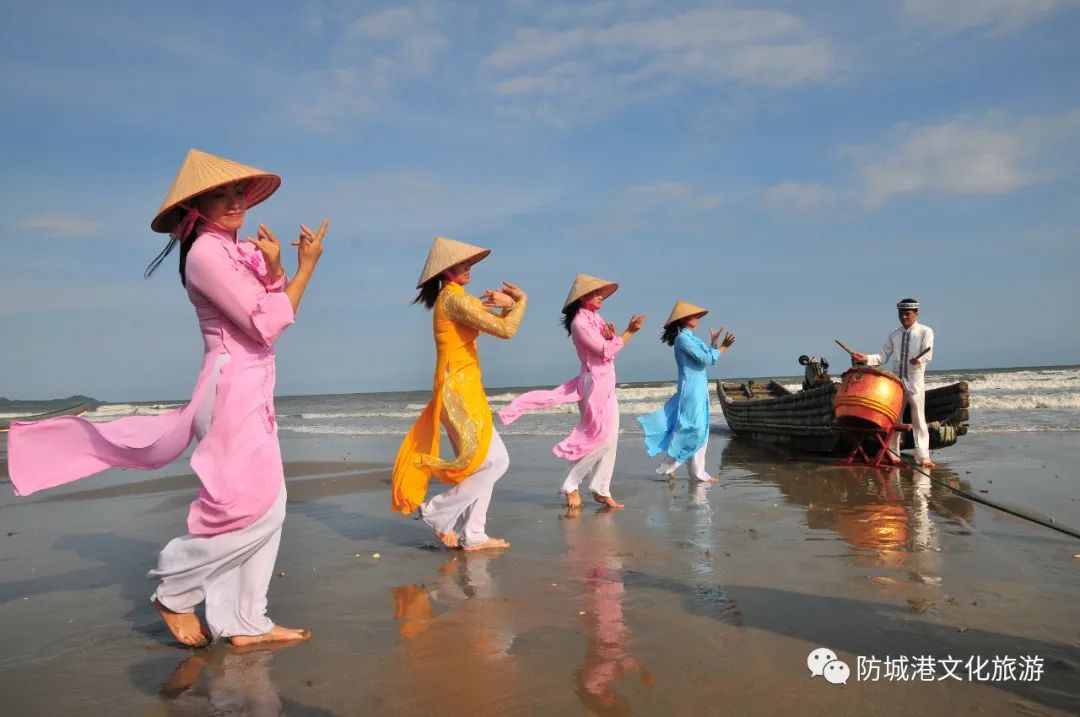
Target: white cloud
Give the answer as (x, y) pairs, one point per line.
(640, 59)
(797, 197)
(998, 17)
(413, 206)
(951, 158)
(637, 206)
(411, 43)
(369, 60)
(55, 226)
(987, 155)
(659, 190)
(709, 202)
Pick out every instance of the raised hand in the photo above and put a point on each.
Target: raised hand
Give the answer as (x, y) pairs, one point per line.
(608, 331)
(729, 339)
(636, 321)
(268, 244)
(513, 291)
(496, 299)
(309, 247)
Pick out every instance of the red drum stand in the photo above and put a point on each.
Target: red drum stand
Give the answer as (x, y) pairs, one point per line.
(879, 440)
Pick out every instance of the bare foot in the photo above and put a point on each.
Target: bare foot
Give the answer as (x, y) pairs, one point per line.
(607, 500)
(449, 538)
(670, 476)
(708, 479)
(573, 511)
(927, 463)
(573, 499)
(186, 627)
(489, 544)
(277, 634)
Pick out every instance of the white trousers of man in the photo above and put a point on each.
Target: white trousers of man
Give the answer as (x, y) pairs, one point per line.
(600, 464)
(463, 507)
(915, 397)
(695, 466)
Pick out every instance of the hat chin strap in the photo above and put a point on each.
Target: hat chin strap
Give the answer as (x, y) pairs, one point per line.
(182, 231)
(185, 225)
(193, 216)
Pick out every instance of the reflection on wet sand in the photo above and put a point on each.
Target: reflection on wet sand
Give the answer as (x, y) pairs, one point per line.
(884, 513)
(457, 631)
(593, 558)
(237, 682)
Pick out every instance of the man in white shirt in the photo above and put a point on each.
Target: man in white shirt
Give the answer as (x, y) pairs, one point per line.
(910, 347)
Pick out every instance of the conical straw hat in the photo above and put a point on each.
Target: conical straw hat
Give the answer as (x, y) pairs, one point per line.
(585, 284)
(682, 310)
(202, 172)
(447, 252)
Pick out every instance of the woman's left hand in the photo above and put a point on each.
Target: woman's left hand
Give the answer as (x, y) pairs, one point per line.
(496, 299)
(267, 243)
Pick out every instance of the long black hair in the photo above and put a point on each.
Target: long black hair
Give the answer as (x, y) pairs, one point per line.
(671, 331)
(185, 246)
(429, 292)
(569, 313)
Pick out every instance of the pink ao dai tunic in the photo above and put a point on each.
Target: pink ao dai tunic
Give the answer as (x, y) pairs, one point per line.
(241, 314)
(593, 388)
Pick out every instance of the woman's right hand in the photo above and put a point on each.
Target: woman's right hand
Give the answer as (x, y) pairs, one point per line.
(310, 245)
(514, 292)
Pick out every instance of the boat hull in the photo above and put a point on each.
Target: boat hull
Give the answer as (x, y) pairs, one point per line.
(806, 421)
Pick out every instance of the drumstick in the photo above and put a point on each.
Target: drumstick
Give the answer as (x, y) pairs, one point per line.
(924, 352)
(841, 345)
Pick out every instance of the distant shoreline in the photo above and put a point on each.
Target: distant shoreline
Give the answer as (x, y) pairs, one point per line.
(7, 405)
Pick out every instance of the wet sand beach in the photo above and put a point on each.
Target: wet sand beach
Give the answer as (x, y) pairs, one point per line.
(695, 598)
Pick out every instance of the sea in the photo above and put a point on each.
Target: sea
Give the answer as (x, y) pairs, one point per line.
(1024, 399)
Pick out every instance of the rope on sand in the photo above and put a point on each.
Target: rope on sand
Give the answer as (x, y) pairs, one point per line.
(1045, 521)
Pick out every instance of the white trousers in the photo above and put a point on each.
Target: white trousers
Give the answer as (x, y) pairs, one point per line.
(600, 464)
(463, 508)
(695, 466)
(920, 431)
(231, 572)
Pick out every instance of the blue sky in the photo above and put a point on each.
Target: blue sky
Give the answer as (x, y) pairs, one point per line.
(795, 167)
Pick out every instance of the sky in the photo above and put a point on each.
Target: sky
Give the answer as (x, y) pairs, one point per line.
(795, 167)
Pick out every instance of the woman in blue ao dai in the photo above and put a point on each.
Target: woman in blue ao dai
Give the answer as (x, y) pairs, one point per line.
(680, 428)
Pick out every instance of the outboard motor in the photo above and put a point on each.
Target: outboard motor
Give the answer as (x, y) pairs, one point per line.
(817, 371)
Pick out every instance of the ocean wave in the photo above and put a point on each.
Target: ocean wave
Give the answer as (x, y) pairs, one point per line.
(361, 414)
(330, 430)
(1025, 401)
(1025, 429)
(623, 393)
(1047, 380)
(118, 410)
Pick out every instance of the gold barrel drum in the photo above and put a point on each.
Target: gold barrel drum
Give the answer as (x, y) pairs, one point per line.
(868, 398)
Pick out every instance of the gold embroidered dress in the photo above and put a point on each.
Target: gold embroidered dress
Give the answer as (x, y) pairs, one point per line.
(458, 395)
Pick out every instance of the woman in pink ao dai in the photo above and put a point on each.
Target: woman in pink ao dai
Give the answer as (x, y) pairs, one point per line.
(592, 444)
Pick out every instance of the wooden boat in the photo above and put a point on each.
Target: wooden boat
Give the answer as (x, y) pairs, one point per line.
(5, 423)
(803, 420)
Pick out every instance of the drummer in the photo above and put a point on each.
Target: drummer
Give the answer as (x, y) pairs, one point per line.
(910, 346)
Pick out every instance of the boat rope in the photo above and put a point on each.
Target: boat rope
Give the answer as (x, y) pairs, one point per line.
(1045, 521)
